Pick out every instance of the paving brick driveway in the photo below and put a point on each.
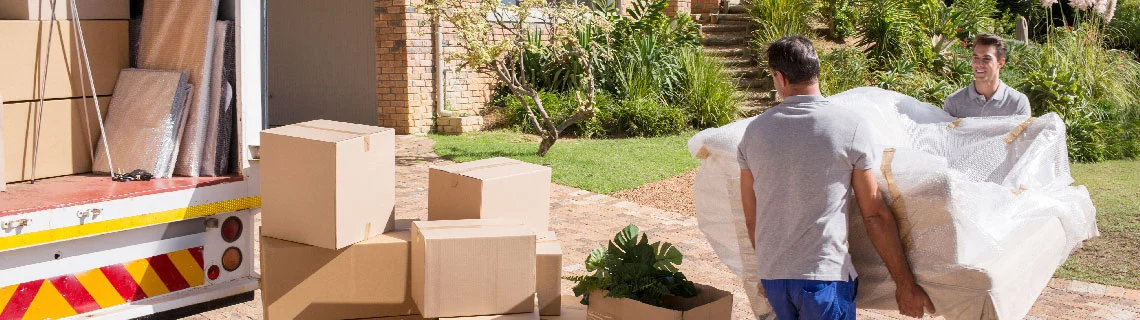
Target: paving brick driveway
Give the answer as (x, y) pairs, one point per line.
(584, 221)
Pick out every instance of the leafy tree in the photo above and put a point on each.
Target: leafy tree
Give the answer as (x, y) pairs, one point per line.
(495, 38)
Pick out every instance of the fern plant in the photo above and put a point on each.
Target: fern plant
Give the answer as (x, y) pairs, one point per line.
(631, 267)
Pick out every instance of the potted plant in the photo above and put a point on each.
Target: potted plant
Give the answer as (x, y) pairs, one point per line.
(634, 279)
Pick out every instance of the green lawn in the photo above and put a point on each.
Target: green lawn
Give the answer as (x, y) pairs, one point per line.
(1114, 257)
(602, 166)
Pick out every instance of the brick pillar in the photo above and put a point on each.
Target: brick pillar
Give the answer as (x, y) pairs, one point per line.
(678, 7)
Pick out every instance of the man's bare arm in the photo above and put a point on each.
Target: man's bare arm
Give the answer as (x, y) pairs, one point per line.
(748, 200)
(884, 234)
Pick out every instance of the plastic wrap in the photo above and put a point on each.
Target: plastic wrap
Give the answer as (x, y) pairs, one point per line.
(143, 122)
(210, 151)
(985, 207)
(179, 35)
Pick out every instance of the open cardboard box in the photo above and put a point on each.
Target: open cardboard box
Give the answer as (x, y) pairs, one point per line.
(709, 304)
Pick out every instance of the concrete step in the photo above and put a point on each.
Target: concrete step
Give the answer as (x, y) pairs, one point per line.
(735, 9)
(734, 51)
(738, 62)
(763, 83)
(724, 41)
(744, 73)
(720, 28)
(730, 18)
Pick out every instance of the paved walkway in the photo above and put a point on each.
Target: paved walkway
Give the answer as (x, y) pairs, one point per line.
(584, 221)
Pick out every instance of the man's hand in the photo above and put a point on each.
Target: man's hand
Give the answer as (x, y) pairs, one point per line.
(913, 300)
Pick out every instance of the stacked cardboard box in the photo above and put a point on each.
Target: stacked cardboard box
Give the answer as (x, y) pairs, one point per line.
(328, 196)
(69, 122)
(502, 188)
(329, 252)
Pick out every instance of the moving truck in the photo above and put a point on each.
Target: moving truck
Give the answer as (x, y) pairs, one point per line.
(86, 247)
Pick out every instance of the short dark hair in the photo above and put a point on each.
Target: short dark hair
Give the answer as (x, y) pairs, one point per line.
(795, 57)
(987, 39)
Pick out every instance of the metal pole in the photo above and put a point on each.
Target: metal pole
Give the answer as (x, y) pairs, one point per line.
(91, 81)
(43, 86)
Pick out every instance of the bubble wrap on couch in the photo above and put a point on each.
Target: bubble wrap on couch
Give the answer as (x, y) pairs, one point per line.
(985, 206)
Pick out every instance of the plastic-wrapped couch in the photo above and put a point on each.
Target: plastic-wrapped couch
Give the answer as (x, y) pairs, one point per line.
(986, 207)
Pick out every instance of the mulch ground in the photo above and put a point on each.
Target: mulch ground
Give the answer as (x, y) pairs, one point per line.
(674, 194)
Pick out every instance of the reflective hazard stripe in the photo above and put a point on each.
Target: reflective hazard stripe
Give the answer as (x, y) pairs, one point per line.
(103, 287)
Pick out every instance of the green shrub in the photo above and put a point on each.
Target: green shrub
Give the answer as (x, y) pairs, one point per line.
(1124, 29)
(840, 16)
(709, 93)
(843, 69)
(775, 19)
(645, 117)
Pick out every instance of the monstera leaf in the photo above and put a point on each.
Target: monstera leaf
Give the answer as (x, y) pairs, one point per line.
(630, 267)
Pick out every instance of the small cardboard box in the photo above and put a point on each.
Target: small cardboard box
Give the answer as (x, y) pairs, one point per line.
(88, 9)
(548, 269)
(516, 316)
(572, 309)
(66, 139)
(466, 268)
(327, 184)
(24, 56)
(368, 279)
(489, 189)
(709, 304)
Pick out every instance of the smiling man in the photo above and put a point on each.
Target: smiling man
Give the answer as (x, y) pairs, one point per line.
(987, 96)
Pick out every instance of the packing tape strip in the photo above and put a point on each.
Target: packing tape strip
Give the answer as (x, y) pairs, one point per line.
(455, 174)
(898, 205)
(703, 153)
(955, 123)
(367, 135)
(1017, 131)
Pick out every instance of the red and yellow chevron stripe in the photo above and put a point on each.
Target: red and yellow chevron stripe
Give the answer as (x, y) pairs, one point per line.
(104, 287)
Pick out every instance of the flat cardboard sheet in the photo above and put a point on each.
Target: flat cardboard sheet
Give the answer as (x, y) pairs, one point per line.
(327, 184)
(472, 267)
(368, 279)
(66, 139)
(491, 189)
(88, 9)
(25, 51)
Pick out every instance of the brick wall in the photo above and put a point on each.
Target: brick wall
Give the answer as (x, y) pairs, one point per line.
(705, 7)
(678, 7)
(405, 74)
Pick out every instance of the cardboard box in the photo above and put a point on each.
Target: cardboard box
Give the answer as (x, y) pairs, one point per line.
(548, 270)
(327, 184)
(66, 138)
(88, 9)
(516, 316)
(710, 304)
(25, 53)
(3, 184)
(489, 189)
(368, 279)
(572, 309)
(472, 267)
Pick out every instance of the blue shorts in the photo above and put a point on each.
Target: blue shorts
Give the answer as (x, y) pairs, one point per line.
(811, 300)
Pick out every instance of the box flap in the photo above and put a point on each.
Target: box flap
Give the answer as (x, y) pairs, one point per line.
(493, 168)
(548, 248)
(326, 130)
(471, 228)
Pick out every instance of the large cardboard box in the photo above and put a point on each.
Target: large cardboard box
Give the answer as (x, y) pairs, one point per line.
(489, 189)
(3, 184)
(88, 9)
(710, 304)
(368, 279)
(25, 51)
(66, 139)
(472, 267)
(327, 184)
(516, 316)
(548, 269)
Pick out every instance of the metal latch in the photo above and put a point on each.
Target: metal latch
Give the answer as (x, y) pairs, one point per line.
(93, 212)
(15, 224)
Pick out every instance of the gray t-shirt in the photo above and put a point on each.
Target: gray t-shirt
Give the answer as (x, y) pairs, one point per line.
(801, 154)
(967, 103)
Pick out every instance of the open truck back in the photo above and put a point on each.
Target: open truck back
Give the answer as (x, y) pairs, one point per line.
(86, 247)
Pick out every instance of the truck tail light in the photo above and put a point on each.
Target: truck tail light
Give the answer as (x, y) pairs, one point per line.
(231, 258)
(231, 229)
